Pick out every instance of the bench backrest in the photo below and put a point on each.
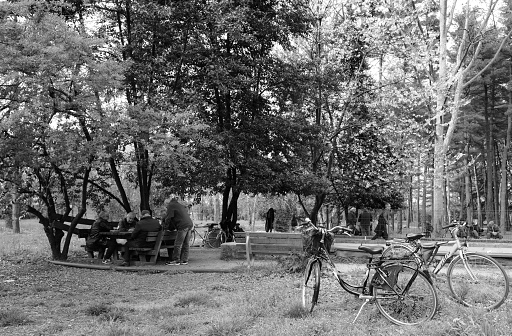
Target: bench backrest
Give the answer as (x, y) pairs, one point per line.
(167, 235)
(269, 238)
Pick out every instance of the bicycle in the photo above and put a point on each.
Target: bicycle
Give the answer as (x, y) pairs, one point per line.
(474, 279)
(214, 237)
(402, 292)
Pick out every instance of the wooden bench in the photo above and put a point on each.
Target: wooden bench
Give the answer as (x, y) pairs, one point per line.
(162, 240)
(59, 222)
(266, 243)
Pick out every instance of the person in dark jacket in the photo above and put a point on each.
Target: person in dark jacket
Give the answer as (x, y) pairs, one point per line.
(125, 224)
(140, 232)
(365, 220)
(128, 222)
(269, 220)
(94, 241)
(381, 230)
(177, 218)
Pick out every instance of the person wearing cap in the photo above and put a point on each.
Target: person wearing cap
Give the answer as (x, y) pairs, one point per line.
(94, 241)
(177, 218)
(138, 237)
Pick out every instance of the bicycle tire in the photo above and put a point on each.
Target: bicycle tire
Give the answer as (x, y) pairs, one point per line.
(418, 302)
(215, 238)
(192, 238)
(311, 285)
(488, 291)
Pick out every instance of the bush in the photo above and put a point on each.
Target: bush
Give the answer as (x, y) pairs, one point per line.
(13, 317)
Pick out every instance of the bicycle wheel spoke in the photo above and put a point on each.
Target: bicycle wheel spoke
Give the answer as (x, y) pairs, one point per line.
(482, 284)
(416, 301)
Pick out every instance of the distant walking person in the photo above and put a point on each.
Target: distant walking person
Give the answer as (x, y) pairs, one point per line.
(177, 217)
(365, 220)
(269, 221)
(381, 229)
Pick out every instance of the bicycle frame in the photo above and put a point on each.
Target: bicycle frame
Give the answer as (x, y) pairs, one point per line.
(363, 291)
(457, 247)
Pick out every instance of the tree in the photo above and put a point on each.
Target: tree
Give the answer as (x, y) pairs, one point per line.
(454, 78)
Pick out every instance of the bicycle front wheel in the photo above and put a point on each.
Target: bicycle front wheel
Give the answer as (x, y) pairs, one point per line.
(215, 238)
(192, 238)
(415, 300)
(479, 282)
(311, 285)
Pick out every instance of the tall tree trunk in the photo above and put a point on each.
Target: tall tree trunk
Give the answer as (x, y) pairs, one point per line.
(439, 151)
(504, 162)
(489, 156)
(15, 210)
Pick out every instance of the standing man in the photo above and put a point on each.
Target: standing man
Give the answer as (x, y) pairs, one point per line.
(269, 220)
(352, 219)
(140, 233)
(177, 217)
(366, 220)
(381, 230)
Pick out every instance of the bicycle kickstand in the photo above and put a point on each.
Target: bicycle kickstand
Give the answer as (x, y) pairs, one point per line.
(361, 309)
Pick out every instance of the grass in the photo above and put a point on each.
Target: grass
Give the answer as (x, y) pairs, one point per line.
(52, 300)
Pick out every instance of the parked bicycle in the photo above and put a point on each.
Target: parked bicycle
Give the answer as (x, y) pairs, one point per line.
(214, 237)
(474, 279)
(401, 291)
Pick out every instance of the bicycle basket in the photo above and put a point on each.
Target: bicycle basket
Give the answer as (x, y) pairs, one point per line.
(311, 240)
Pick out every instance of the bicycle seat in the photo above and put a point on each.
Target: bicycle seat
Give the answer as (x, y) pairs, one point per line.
(414, 236)
(371, 249)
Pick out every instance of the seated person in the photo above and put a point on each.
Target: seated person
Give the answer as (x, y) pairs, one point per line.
(138, 238)
(94, 241)
(238, 228)
(126, 224)
(493, 231)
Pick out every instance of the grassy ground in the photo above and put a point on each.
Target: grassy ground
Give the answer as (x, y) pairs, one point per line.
(39, 298)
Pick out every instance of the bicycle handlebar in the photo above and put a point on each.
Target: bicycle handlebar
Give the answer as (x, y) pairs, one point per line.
(454, 224)
(344, 230)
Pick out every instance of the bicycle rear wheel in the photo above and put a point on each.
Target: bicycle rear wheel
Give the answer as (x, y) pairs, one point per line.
(311, 285)
(215, 238)
(192, 238)
(416, 301)
(489, 287)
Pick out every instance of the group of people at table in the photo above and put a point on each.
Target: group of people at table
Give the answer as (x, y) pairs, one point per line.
(176, 218)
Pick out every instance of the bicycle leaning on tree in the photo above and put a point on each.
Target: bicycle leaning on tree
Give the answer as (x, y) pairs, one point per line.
(474, 279)
(401, 291)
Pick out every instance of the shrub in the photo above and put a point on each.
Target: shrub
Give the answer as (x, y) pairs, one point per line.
(13, 317)
(97, 309)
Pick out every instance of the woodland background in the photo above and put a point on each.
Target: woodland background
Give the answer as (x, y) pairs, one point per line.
(309, 107)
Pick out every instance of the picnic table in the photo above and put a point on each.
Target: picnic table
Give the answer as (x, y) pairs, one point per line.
(117, 234)
(162, 240)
